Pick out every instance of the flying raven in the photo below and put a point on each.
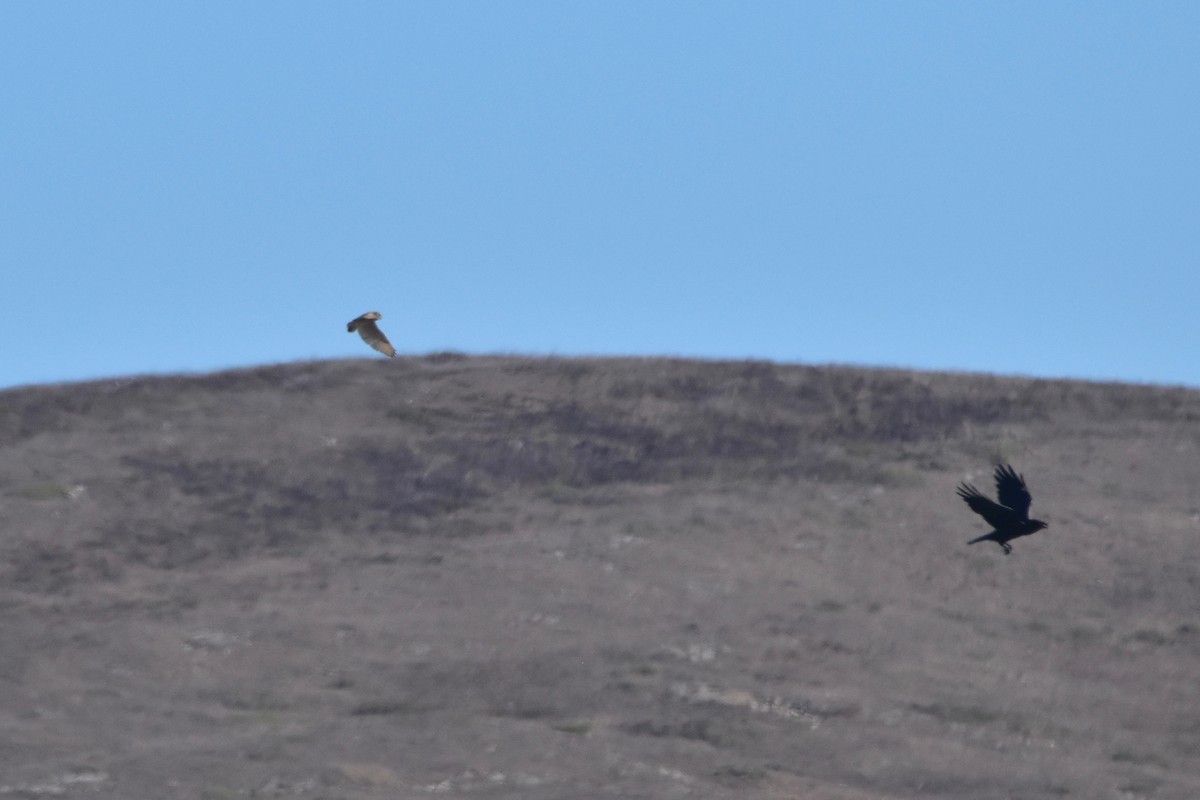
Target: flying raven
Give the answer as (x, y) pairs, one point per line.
(1009, 517)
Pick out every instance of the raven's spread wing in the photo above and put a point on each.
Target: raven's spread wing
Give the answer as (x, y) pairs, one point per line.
(371, 334)
(996, 515)
(1011, 489)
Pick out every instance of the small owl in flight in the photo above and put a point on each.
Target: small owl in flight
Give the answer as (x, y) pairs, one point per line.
(370, 333)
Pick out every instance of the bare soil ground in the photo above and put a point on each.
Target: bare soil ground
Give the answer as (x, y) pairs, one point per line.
(544, 578)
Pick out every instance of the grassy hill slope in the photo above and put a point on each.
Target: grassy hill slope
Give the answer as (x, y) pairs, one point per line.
(536, 578)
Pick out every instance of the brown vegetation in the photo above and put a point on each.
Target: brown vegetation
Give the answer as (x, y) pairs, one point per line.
(536, 578)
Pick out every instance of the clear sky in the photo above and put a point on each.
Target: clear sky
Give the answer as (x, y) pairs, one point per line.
(1006, 186)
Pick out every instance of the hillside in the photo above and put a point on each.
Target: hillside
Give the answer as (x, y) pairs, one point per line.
(553, 578)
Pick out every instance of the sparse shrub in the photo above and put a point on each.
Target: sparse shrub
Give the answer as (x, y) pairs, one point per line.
(383, 708)
(1150, 637)
(445, 357)
(734, 775)
(255, 700)
(525, 709)
(963, 715)
(44, 491)
(1140, 759)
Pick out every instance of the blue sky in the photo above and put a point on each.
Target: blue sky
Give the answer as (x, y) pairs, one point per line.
(1007, 187)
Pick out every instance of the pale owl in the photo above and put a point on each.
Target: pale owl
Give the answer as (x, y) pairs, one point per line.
(370, 333)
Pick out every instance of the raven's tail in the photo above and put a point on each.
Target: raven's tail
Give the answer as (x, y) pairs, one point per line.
(987, 537)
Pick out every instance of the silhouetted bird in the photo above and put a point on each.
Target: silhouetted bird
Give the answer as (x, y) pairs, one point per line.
(1009, 517)
(370, 333)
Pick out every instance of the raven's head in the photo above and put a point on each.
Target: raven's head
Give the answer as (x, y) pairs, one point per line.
(1035, 525)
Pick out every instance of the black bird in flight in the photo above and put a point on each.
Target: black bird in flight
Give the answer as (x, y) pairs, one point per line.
(1009, 517)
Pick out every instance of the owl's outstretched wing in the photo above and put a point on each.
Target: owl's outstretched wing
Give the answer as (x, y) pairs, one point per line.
(370, 333)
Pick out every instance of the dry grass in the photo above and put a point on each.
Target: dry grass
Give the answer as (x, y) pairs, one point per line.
(510, 577)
